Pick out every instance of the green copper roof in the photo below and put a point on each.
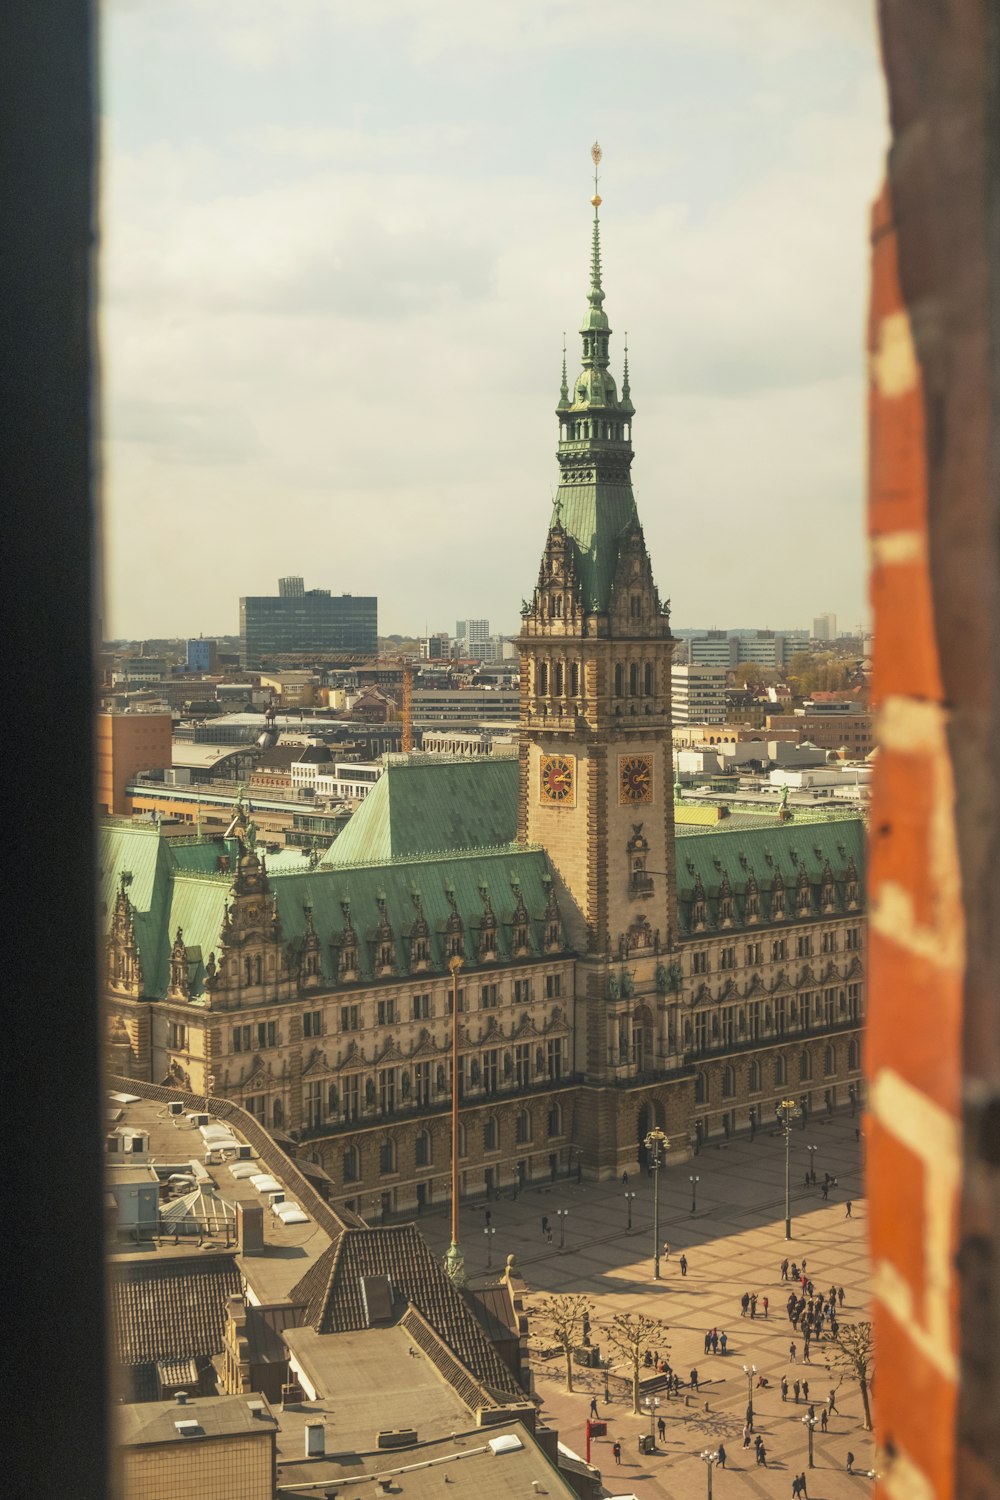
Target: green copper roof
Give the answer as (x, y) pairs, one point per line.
(766, 854)
(430, 805)
(594, 501)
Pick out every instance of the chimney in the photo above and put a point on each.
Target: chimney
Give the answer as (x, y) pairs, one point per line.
(250, 1227)
(182, 1398)
(315, 1440)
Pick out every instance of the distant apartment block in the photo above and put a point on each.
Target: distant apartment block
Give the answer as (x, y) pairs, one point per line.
(311, 622)
(126, 744)
(202, 655)
(724, 648)
(698, 694)
(291, 588)
(825, 628)
(851, 732)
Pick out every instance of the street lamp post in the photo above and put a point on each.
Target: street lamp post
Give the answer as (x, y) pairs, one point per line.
(694, 1181)
(810, 1425)
(651, 1403)
(607, 1372)
(786, 1112)
(629, 1199)
(656, 1143)
(750, 1371)
(812, 1160)
(709, 1459)
(562, 1214)
(489, 1232)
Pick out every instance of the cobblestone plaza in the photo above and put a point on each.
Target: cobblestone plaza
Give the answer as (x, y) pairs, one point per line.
(734, 1242)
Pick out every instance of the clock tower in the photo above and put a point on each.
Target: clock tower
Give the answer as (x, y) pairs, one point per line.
(596, 766)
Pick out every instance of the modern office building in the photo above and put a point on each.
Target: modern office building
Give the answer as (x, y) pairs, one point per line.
(825, 628)
(128, 743)
(291, 588)
(698, 694)
(202, 655)
(310, 622)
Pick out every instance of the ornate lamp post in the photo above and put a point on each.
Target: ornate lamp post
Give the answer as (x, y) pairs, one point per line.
(694, 1181)
(489, 1232)
(629, 1199)
(786, 1112)
(812, 1159)
(562, 1214)
(454, 1261)
(656, 1144)
(749, 1371)
(651, 1403)
(810, 1425)
(709, 1458)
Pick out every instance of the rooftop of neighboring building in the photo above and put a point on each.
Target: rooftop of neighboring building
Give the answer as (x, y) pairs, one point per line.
(148, 1422)
(501, 1461)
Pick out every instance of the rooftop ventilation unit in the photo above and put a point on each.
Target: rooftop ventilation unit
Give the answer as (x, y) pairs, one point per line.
(197, 1120)
(275, 1198)
(244, 1153)
(175, 1107)
(188, 1427)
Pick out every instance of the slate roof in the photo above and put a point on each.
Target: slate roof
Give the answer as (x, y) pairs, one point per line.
(595, 516)
(172, 1309)
(331, 1292)
(429, 805)
(768, 854)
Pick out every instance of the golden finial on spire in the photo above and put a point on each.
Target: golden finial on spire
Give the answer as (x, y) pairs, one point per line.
(595, 156)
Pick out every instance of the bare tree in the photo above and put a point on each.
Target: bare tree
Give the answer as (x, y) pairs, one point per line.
(568, 1316)
(632, 1335)
(853, 1352)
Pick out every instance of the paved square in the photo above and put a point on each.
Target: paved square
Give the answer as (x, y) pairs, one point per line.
(734, 1242)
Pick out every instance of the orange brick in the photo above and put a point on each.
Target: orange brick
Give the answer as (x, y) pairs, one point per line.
(906, 655)
(900, 849)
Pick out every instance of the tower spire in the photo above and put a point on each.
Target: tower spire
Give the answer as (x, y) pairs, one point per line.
(564, 388)
(596, 294)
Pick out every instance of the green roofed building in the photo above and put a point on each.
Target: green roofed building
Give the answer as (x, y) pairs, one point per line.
(613, 976)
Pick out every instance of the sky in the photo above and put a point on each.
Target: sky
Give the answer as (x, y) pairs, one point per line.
(340, 244)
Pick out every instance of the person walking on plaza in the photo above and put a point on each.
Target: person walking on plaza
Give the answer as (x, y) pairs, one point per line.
(784, 1387)
(791, 1353)
(840, 1295)
(616, 1450)
(722, 1456)
(661, 1429)
(744, 1304)
(850, 1462)
(593, 1408)
(753, 1305)
(708, 1341)
(694, 1380)
(796, 1387)
(766, 1305)
(784, 1269)
(847, 1209)
(805, 1390)
(624, 1179)
(714, 1340)
(823, 1419)
(545, 1223)
(802, 1486)
(683, 1265)
(723, 1341)
(746, 1435)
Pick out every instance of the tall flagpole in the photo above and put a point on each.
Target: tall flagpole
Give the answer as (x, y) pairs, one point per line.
(454, 1260)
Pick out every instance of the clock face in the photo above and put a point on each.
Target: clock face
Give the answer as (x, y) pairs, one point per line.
(635, 778)
(558, 779)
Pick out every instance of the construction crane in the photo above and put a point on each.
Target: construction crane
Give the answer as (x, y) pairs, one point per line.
(292, 659)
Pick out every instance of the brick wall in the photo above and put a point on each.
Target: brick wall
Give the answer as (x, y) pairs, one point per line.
(934, 1036)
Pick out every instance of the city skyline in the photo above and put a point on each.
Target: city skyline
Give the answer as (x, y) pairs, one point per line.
(332, 317)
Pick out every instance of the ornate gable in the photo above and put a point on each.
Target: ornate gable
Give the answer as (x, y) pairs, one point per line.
(124, 965)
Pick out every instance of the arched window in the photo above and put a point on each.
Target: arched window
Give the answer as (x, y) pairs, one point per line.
(422, 1149)
(522, 1127)
(555, 1120)
(489, 1134)
(463, 1139)
(543, 677)
(387, 1157)
(559, 679)
(780, 1072)
(753, 1078)
(728, 1082)
(635, 606)
(648, 680)
(619, 679)
(633, 679)
(852, 1056)
(351, 1164)
(805, 1067)
(700, 1088)
(278, 1113)
(574, 680)
(829, 1061)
